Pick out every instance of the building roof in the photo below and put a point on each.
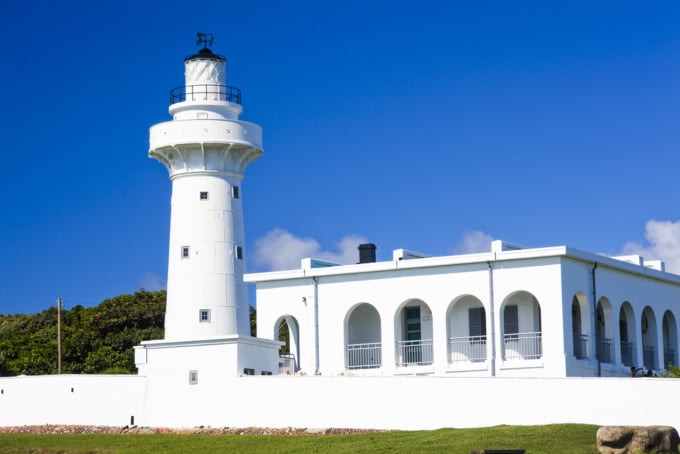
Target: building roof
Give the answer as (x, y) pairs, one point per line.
(500, 252)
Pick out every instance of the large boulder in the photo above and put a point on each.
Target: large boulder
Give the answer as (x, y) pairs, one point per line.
(637, 439)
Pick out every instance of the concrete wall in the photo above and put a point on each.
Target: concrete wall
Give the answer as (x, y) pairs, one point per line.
(408, 403)
(110, 400)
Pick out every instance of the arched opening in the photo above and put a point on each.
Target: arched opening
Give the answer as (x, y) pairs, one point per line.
(604, 331)
(627, 335)
(649, 338)
(413, 333)
(521, 321)
(363, 347)
(580, 327)
(670, 340)
(466, 325)
(286, 329)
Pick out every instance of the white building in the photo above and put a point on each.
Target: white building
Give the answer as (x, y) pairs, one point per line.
(511, 312)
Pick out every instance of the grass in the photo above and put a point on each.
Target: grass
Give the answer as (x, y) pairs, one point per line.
(553, 439)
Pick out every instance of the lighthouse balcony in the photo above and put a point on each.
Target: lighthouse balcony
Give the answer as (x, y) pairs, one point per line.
(172, 133)
(205, 92)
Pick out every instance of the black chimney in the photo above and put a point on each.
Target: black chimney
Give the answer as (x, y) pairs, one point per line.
(367, 253)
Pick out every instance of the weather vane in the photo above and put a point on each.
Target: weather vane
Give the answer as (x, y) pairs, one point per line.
(206, 39)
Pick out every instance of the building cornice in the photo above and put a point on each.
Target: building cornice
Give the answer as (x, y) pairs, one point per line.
(557, 252)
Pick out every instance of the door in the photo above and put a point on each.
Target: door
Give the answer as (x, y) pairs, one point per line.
(412, 353)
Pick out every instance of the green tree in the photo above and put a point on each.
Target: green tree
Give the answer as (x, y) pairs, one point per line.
(94, 339)
(105, 358)
(671, 372)
(253, 321)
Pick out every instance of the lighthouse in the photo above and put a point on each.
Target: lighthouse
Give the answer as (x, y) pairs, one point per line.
(206, 149)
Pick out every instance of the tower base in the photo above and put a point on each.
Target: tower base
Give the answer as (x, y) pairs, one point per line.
(206, 361)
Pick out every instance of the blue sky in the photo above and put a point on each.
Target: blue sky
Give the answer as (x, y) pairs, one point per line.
(430, 126)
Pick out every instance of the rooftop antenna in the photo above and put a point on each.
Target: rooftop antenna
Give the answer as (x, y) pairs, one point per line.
(206, 39)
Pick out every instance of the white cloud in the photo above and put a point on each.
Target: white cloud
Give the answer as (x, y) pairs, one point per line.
(152, 282)
(662, 243)
(473, 242)
(281, 250)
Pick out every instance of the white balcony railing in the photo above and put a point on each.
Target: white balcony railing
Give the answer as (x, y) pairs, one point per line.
(522, 346)
(604, 350)
(580, 346)
(627, 349)
(414, 353)
(649, 356)
(287, 364)
(668, 357)
(467, 349)
(363, 356)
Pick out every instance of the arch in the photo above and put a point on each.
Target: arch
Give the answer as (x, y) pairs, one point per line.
(580, 325)
(670, 339)
(521, 326)
(649, 335)
(287, 329)
(413, 333)
(627, 335)
(604, 331)
(466, 330)
(363, 347)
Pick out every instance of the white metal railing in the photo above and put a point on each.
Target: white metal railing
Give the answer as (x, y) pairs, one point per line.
(467, 349)
(649, 356)
(604, 350)
(363, 356)
(414, 353)
(580, 346)
(287, 364)
(522, 346)
(668, 357)
(627, 349)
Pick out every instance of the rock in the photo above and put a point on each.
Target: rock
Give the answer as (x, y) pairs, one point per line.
(637, 439)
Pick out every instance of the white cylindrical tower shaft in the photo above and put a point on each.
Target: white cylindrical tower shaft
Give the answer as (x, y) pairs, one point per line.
(206, 150)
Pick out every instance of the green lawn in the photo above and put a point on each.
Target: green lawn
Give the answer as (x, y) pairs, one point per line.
(552, 439)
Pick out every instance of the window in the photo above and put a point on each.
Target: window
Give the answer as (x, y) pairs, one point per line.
(248, 371)
(185, 252)
(193, 377)
(204, 315)
(477, 321)
(623, 330)
(412, 320)
(235, 192)
(510, 320)
(239, 252)
(204, 195)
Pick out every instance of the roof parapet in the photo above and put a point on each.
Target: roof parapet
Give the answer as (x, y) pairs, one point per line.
(640, 261)
(504, 246)
(310, 263)
(404, 254)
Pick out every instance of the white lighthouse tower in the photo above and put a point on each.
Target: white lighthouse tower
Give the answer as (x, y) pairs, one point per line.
(206, 150)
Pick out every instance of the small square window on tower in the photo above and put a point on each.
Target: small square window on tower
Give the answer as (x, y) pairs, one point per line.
(239, 252)
(193, 377)
(204, 315)
(235, 192)
(185, 252)
(204, 195)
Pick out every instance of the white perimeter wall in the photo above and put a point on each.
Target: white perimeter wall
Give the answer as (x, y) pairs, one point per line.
(408, 403)
(108, 400)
